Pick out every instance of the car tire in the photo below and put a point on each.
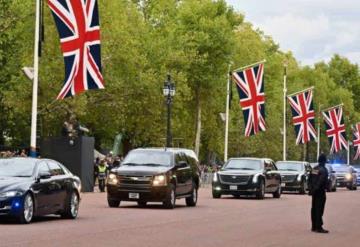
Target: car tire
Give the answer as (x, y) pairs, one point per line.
(170, 200)
(141, 204)
(71, 209)
(113, 203)
(333, 189)
(192, 200)
(27, 209)
(216, 195)
(355, 187)
(302, 190)
(261, 193)
(277, 193)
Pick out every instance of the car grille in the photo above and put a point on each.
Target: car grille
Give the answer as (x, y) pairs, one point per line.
(288, 178)
(135, 180)
(234, 179)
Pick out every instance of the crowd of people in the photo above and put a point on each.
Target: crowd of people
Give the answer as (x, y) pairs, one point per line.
(102, 168)
(10, 154)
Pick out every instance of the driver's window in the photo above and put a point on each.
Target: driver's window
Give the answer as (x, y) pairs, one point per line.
(267, 166)
(43, 168)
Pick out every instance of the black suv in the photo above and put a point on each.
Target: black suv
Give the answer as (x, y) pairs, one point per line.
(155, 175)
(294, 175)
(346, 176)
(244, 176)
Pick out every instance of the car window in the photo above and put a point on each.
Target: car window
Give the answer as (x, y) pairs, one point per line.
(268, 165)
(43, 168)
(55, 169)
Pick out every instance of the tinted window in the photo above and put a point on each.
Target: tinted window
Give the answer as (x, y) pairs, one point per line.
(148, 158)
(289, 166)
(43, 168)
(55, 169)
(244, 164)
(17, 167)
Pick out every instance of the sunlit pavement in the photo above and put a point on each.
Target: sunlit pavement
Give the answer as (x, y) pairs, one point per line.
(222, 222)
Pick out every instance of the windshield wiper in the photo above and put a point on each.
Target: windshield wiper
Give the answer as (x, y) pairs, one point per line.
(21, 176)
(151, 164)
(248, 169)
(130, 164)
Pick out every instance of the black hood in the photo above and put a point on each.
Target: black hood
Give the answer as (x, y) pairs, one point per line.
(15, 183)
(141, 170)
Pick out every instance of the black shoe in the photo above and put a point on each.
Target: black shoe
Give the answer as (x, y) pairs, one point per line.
(322, 231)
(313, 229)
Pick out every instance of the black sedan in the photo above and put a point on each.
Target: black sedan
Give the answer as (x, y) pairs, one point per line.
(33, 187)
(294, 175)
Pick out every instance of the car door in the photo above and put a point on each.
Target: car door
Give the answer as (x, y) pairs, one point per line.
(188, 174)
(42, 190)
(268, 175)
(276, 179)
(181, 174)
(58, 178)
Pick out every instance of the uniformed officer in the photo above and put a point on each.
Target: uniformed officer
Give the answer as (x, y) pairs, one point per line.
(319, 181)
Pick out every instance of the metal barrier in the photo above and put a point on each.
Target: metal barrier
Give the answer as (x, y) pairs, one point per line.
(206, 179)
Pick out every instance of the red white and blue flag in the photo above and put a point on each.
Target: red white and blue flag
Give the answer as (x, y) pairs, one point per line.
(356, 140)
(303, 116)
(250, 87)
(78, 24)
(335, 128)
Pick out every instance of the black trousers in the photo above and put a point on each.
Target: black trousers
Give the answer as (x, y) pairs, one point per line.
(317, 209)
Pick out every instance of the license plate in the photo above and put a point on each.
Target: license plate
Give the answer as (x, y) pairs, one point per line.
(233, 187)
(134, 196)
(283, 184)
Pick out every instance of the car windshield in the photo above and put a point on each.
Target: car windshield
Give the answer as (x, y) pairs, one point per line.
(147, 158)
(290, 166)
(16, 167)
(243, 164)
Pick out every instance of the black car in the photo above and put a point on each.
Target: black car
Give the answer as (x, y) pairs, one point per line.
(331, 186)
(155, 175)
(294, 175)
(357, 169)
(33, 187)
(244, 176)
(346, 176)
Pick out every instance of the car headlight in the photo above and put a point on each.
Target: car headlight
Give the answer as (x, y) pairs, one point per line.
(10, 194)
(348, 176)
(299, 177)
(159, 180)
(215, 177)
(255, 178)
(112, 179)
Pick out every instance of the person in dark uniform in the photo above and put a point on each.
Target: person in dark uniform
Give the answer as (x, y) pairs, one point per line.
(319, 181)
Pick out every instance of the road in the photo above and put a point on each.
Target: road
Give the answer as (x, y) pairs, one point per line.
(222, 222)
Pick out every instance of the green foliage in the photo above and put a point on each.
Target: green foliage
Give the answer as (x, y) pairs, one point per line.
(142, 41)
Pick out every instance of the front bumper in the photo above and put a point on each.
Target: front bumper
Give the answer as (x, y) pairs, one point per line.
(235, 189)
(291, 186)
(146, 194)
(11, 206)
(343, 183)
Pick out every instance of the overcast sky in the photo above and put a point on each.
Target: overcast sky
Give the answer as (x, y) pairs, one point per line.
(312, 29)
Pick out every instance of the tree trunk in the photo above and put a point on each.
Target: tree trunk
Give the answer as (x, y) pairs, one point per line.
(198, 123)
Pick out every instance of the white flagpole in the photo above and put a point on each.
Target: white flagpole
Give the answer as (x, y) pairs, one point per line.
(227, 115)
(284, 118)
(35, 83)
(319, 135)
(348, 153)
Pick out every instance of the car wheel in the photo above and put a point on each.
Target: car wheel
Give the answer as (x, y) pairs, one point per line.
(27, 211)
(113, 203)
(141, 204)
(277, 193)
(192, 200)
(355, 187)
(71, 209)
(170, 201)
(215, 194)
(333, 189)
(261, 193)
(303, 188)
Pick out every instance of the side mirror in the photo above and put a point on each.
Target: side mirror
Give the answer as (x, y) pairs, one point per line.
(181, 164)
(44, 175)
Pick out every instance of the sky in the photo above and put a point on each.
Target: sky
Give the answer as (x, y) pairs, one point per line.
(312, 29)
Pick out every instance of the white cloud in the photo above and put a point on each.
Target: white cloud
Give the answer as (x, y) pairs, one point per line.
(313, 30)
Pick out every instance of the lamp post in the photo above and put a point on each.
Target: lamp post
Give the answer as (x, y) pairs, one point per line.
(169, 93)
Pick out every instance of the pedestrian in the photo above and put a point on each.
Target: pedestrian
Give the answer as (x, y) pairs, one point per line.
(102, 174)
(318, 184)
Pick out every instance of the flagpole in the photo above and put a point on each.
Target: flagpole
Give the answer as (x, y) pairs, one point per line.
(348, 153)
(305, 90)
(330, 108)
(319, 135)
(250, 65)
(227, 115)
(35, 83)
(284, 118)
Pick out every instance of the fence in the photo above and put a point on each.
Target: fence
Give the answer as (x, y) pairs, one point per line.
(206, 179)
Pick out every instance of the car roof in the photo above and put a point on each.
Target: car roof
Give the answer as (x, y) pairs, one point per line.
(170, 150)
(292, 161)
(36, 160)
(249, 158)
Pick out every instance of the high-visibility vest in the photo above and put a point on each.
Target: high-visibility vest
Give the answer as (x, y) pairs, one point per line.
(102, 169)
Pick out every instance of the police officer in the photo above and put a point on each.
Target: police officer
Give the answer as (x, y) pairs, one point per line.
(318, 184)
(102, 173)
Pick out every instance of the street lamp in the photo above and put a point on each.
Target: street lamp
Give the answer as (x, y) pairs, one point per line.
(169, 93)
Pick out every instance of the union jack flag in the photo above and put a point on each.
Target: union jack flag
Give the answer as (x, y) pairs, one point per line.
(250, 87)
(356, 141)
(303, 116)
(78, 24)
(335, 128)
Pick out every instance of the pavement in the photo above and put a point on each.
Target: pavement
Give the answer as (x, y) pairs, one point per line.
(224, 222)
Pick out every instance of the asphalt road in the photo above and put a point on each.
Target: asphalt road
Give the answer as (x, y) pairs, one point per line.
(222, 222)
